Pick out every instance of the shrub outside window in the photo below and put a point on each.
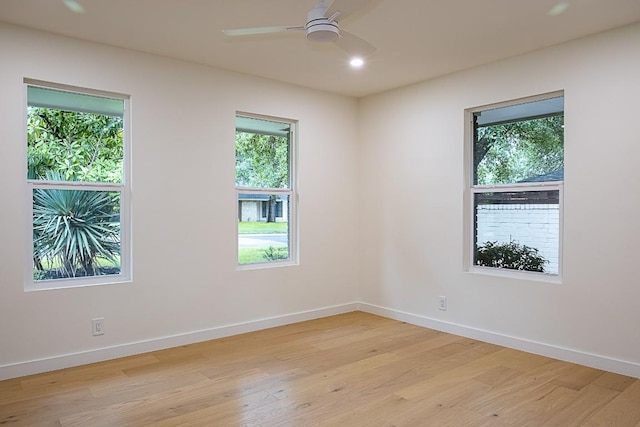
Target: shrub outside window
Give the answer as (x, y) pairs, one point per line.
(517, 175)
(265, 188)
(77, 179)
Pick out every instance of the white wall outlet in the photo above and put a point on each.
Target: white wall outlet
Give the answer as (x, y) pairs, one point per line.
(442, 303)
(98, 326)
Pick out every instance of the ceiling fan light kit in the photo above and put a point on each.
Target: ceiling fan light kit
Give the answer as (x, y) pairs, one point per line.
(319, 27)
(323, 32)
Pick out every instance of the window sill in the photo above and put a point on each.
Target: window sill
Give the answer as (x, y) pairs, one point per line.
(265, 265)
(55, 284)
(516, 274)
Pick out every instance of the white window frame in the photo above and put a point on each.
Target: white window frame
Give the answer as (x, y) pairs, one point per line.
(124, 188)
(473, 189)
(290, 192)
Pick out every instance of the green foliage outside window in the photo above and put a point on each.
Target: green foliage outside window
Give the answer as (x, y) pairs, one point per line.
(273, 253)
(510, 255)
(262, 161)
(511, 152)
(77, 146)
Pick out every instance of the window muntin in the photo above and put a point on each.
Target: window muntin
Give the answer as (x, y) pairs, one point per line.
(78, 187)
(517, 172)
(265, 190)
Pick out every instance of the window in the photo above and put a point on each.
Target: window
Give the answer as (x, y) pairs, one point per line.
(265, 190)
(516, 180)
(77, 180)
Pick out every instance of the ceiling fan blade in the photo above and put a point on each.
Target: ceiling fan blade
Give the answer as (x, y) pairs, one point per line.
(74, 6)
(345, 8)
(258, 30)
(354, 45)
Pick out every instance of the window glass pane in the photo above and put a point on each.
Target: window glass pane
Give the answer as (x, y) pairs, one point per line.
(263, 228)
(74, 137)
(76, 233)
(518, 230)
(262, 153)
(519, 143)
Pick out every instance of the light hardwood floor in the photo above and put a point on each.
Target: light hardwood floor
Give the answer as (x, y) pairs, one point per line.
(354, 369)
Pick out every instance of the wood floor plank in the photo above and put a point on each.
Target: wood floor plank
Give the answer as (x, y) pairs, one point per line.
(532, 385)
(497, 376)
(577, 377)
(624, 410)
(160, 406)
(537, 407)
(353, 369)
(442, 397)
(586, 402)
(373, 413)
(125, 388)
(226, 413)
(45, 410)
(614, 381)
(519, 360)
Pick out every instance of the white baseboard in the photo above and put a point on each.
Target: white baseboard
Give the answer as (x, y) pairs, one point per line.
(106, 353)
(568, 355)
(53, 363)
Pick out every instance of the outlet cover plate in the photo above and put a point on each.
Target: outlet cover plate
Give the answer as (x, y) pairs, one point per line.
(98, 326)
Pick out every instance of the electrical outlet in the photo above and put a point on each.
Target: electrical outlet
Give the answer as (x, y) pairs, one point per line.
(98, 326)
(442, 303)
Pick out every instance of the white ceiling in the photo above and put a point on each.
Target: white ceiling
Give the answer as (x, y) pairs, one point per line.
(416, 39)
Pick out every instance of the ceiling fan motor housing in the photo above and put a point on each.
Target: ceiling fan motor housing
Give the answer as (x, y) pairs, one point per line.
(319, 27)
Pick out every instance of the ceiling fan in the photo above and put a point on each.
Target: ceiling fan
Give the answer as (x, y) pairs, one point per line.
(322, 26)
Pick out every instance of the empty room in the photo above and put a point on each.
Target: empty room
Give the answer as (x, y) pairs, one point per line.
(300, 213)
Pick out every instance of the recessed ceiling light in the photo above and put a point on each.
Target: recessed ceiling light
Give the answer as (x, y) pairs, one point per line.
(356, 62)
(74, 6)
(558, 8)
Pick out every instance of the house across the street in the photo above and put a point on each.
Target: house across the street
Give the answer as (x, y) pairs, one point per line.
(256, 208)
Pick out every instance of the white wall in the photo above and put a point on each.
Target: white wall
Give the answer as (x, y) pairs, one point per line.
(412, 185)
(184, 207)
